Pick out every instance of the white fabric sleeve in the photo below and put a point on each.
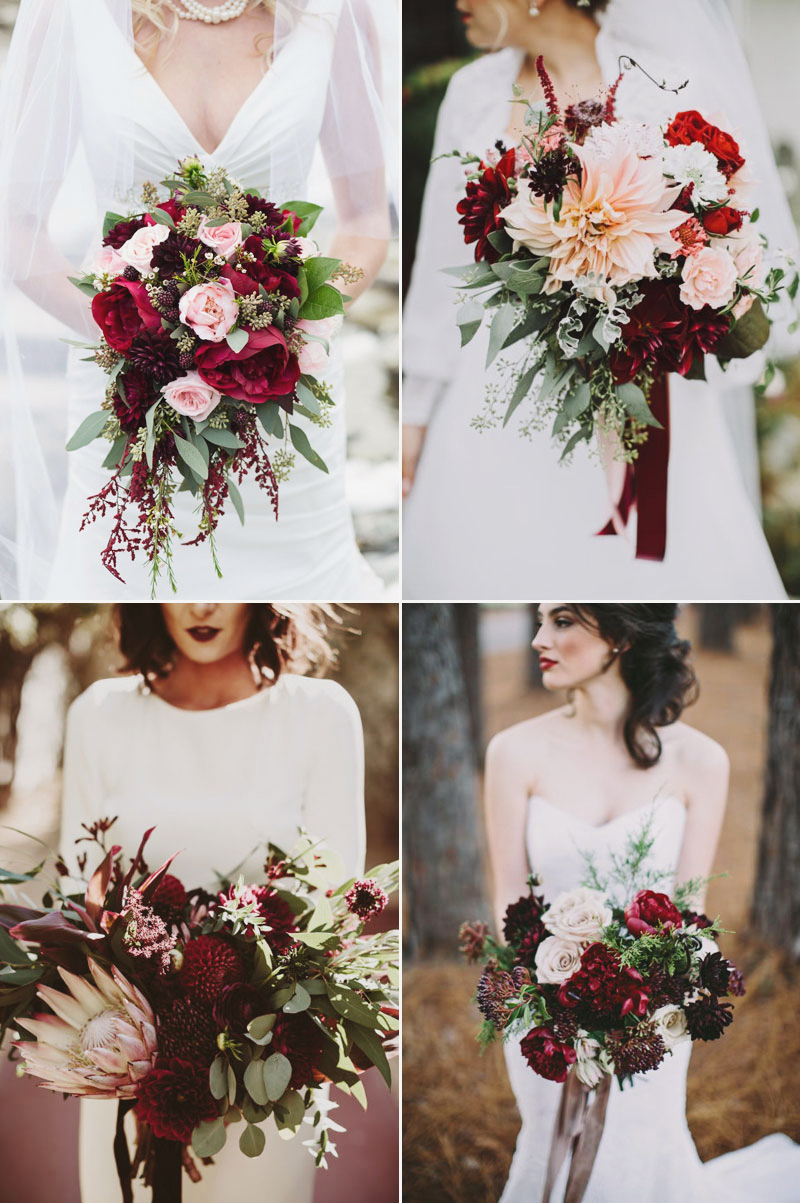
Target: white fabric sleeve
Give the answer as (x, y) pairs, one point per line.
(82, 791)
(431, 341)
(333, 807)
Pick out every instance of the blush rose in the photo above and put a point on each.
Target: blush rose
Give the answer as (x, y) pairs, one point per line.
(192, 396)
(314, 358)
(223, 239)
(210, 310)
(709, 278)
(138, 250)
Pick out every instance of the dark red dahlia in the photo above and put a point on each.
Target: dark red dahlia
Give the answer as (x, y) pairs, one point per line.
(523, 927)
(546, 1055)
(168, 256)
(495, 988)
(736, 985)
(209, 963)
(636, 1049)
(169, 894)
(708, 1018)
(696, 919)
(715, 973)
(366, 898)
(602, 991)
(274, 215)
(279, 917)
(665, 335)
(187, 1030)
(301, 1041)
(139, 396)
(235, 1006)
(480, 208)
(156, 354)
(548, 177)
(119, 234)
(174, 1098)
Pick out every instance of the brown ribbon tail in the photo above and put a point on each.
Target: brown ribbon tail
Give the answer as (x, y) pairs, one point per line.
(122, 1156)
(588, 1142)
(167, 1170)
(569, 1121)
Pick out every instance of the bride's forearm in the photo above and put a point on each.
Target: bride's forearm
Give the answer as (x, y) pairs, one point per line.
(42, 272)
(367, 254)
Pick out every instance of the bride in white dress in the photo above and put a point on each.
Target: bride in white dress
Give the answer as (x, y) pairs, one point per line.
(580, 779)
(489, 511)
(227, 748)
(129, 87)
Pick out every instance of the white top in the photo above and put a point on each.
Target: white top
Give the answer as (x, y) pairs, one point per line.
(217, 784)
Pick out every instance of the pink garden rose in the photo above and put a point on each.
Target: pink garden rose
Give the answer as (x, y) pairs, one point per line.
(210, 310)
(138, 250)
(192, 396)
(222, 239)
(313, 358)
(108, 262)
(709, 278)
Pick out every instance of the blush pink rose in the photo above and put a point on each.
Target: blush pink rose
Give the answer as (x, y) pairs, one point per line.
(313, 358)
(138, 250)
(108, 262)
(222, 239)
(709, 278)
(192, 396)
(210, 310)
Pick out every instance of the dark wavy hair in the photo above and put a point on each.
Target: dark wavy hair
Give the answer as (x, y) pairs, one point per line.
(278, 639)
(654, 664)
(594, 6)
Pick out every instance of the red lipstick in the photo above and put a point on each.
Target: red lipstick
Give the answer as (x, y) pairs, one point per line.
(203, 634)
(545, 665)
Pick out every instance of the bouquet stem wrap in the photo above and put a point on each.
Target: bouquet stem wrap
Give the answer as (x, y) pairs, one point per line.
(645, 483)
(122, 1156)
(167, 1171)
(579, 1126)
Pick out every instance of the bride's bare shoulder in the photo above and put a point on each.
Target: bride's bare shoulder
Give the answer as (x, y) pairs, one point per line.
(529, 738)
(696, 753)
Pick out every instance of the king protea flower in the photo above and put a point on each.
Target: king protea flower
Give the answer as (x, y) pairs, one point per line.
(101, 1040)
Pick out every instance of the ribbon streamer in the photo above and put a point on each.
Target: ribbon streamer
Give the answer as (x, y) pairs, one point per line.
(167, 1170)
(645, 484)
(122, 1156)
(579, 1126)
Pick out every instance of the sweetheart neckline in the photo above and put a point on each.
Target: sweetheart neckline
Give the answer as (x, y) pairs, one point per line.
(637, 810)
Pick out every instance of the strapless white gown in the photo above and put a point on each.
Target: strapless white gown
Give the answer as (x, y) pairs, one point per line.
(217, 784)
(493, 514)
(646, 1152)
(310, 552)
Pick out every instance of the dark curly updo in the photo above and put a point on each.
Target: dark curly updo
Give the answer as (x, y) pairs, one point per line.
(654, 664)
(278, 638)
(594, 6)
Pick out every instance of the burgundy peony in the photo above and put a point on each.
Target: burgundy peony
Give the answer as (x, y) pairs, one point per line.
(602, 991)
(123, 312)
(119, 234)
(691, 126)
(174, 1098)
(263, 370)
(480, 208)
(648, 912)
(546, 1055)
(724, 220)
(301, 1042)
(209, 963)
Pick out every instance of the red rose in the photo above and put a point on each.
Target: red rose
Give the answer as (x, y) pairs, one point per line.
(480, 208)
(123, 312)
(723, 221)
(546, 1055)
(691, 126)
(650, 911)
(602, 991)
(264, 370)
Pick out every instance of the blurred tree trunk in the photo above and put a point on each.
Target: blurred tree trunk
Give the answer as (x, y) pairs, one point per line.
(776, 906)
(466, 624)
(444, 879)
(717, 624)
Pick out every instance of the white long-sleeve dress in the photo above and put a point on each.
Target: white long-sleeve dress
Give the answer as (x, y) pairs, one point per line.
(493, 514)
(216, 784)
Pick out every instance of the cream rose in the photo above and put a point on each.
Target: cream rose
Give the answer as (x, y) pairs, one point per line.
(109, 262)
(670, 1024)
(579, 915)
(210, 310)
(222, 239)
(190, 395)
(557, 959)
(709, 278)
(138, 250)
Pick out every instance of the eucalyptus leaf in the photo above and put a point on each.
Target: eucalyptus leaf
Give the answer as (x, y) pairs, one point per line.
(277, 1071)
(301, 1001)
(575, 403)
(218, 1077)
(236, 498)
(307, 397)
(252, 1112)
(289, 1110)
(372, 1045)
(254, 1083)
(232, 1085)
(237, 340)
(209, 1138)
(349, 1005)
(524, 385)
(222, 438)
(469, 318)
(162, 218)
(90, 428)
(635, 403)
(191, 456)
(252, 1141)
(582, 435)
(527, 281)
(269, 415)
(260, 1027)
(502, 325)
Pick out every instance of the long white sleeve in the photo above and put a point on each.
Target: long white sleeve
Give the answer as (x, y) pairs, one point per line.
(333, 806)
(83, 796)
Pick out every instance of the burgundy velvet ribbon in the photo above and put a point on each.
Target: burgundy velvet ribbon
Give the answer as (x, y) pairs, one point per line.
(167, 1170)
(645, 485)
(579, 1126)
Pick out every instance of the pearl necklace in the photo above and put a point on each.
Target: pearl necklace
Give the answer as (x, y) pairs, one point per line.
(193, 10)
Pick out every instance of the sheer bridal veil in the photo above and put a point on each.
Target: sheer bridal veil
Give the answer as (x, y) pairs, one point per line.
(67, 114)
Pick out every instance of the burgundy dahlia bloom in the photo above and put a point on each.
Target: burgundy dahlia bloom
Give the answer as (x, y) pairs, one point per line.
(602, 991)
(156, 354)
(708, 1018)
(119, 234)
(168, 256)
(664, 335)
(546, 1055)
(132, 408)
(523, 927)
(366, 898)
(209, 963)
(174, 1098)
(301, 1042)
(235, 1006)
(480, 208)
(715, 973)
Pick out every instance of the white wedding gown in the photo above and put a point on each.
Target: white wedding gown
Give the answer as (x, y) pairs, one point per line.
(492, 514)
(646, 1152)
(310, 552)
(216, 784)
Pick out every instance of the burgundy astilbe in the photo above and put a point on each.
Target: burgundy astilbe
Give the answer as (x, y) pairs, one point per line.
(253, 456)
(146, 936)
(480, 208)
(366, 898)
(547, 87)
(636, 1049)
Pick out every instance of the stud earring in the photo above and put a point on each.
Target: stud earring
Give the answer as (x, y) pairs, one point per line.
(533, 9)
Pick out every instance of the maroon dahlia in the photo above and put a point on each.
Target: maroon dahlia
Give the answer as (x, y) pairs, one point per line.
(708, 1018)
(157, 354)
(480, 208)
(523, 928)
(168, 256)
(301, 1042)
(663, 335)
(235, 1006)
(174, 1098)
(131, 401)
(715, 973)
(209, 963)
(119, 234)
(187, 1031)
(602, 991)
(170, 893)
(546, 1055)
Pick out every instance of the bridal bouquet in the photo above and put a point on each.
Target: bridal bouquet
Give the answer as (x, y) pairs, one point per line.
(215, 309)
(616, 252)
(202, 1010)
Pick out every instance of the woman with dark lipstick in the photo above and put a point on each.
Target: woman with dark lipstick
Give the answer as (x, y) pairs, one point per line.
(580, 781)
(221, 742)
